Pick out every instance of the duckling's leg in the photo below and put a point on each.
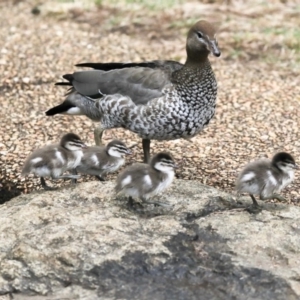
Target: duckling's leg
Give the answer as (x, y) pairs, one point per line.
(254, 208)
(131, 203)
(98, 133)
(100, 178)
(254, 201)
(45, 186)
(74, 172)
(146, 149)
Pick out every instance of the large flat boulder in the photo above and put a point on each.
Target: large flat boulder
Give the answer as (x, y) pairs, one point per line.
(83, 243)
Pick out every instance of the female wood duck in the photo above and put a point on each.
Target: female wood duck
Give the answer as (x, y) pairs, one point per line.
(160, 100)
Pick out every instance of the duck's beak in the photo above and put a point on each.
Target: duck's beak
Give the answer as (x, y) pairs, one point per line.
(128, 152)
(296, 166)
(214, 48)
(83, 146)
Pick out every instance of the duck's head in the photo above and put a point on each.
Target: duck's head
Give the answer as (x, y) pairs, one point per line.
(201, 40)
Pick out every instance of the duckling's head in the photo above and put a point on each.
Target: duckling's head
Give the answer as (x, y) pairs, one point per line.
(117, 148)
(285, 162)
(72, 142)
(163, 162)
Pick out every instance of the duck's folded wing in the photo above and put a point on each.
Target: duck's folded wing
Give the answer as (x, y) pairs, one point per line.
(141, 84)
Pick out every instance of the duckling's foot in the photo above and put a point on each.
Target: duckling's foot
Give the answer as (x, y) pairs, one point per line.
(279, 198)
(100, 178)
(273, 196)
(254, 209)
(131, 203)
(45, 186)
(67, 176)
(156, 203)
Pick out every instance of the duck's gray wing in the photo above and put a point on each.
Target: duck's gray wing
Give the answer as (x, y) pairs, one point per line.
(141, 84)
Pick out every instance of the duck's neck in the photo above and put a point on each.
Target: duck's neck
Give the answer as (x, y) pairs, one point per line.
(196, 58)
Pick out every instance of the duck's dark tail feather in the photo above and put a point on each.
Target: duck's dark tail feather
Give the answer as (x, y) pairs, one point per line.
(59, 109)
(68, 77)
(63, 83)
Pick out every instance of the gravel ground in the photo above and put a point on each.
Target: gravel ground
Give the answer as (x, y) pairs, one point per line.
(258, 102)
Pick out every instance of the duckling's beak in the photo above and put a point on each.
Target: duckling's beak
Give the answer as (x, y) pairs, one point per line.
(128, 152)
(83, 146)
(214, 48)
(296, 167)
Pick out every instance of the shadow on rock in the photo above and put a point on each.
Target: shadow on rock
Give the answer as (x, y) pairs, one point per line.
(200, 267)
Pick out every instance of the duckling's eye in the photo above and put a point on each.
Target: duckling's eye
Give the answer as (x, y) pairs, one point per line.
(199, 34)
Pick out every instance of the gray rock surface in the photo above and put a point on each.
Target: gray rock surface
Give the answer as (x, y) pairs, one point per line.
(83, 243)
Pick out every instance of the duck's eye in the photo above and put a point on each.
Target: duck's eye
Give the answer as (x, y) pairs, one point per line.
(199, 34)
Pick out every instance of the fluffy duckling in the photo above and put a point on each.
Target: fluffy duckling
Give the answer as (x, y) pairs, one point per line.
(144, 181)
(53, 160)
(99, 161)
(267, 177)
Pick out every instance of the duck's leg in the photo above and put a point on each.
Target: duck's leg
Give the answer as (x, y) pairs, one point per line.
(45, 186)
(98, 133)
(146, 150)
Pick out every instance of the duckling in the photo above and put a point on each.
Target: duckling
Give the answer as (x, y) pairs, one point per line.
(144, 181)
(53, 160)
(99, 161)
(266, 177)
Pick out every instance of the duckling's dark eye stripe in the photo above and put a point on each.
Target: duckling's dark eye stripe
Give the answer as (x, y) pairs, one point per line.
(167, 161)
(75, 143)
(121, 148)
